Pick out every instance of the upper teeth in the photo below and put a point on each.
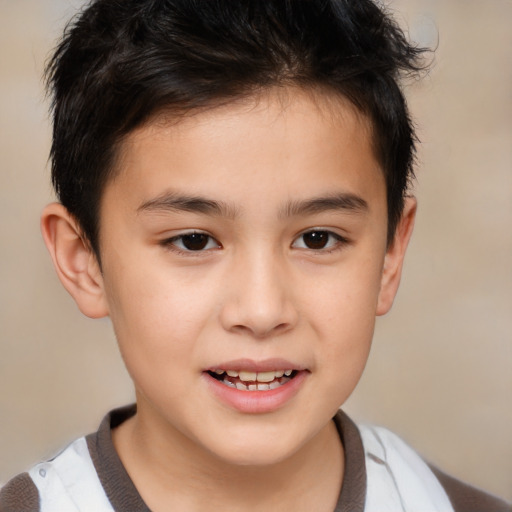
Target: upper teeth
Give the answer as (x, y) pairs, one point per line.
(246, 376)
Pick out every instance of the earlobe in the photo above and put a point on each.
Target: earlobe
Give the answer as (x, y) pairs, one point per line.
(74, 261)
(393, 261)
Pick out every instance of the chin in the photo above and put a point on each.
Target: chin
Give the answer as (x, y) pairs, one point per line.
(258, 448)
(256, 456)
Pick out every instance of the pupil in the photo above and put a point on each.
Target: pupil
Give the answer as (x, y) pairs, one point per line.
(316, 239)
(195, 241)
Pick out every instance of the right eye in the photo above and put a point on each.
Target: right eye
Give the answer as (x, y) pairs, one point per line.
(192, 242)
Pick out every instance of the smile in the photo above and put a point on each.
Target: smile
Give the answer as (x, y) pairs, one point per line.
(255, 387)
(253, 381)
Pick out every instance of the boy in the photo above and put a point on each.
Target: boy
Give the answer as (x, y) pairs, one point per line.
(233, 186)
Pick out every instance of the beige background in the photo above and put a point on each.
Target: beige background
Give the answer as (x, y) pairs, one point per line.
(440, 373)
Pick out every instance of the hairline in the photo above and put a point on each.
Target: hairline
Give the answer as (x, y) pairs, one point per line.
(168, 115)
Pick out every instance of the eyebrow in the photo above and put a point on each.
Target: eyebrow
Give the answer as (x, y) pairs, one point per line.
(346, 202)
(183, 203)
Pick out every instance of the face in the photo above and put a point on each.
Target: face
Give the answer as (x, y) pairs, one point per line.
(242, 254)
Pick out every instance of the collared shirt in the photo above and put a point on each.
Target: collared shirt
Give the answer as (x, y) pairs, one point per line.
(381, 474)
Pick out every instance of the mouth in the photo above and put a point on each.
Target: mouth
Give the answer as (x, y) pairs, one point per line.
(255, 387)
(245, 380)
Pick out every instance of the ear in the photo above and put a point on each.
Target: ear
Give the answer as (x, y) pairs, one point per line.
(75, 262)
(394, 259)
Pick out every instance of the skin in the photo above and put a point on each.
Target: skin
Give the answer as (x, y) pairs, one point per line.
(258, 290)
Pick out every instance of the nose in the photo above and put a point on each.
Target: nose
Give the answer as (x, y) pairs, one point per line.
(258, 299)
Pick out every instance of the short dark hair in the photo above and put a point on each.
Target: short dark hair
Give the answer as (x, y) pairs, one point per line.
(121, 61)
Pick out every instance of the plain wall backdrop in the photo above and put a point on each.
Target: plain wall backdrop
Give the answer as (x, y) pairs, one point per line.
(440, 373)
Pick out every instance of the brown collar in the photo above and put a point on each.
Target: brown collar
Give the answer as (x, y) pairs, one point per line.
(124, 496)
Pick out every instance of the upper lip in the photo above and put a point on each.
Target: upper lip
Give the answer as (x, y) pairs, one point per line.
(251, 365)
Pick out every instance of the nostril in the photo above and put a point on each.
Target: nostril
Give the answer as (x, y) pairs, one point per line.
(259, 331)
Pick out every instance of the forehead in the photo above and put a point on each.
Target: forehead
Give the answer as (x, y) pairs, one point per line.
(275, 146)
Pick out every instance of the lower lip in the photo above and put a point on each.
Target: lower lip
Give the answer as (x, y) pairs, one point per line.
(256, 402)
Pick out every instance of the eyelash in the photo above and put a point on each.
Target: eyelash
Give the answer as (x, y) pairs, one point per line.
(171, 243)
(339, 241)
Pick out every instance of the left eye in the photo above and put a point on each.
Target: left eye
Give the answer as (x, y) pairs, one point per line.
(317, 240)
(193, 242)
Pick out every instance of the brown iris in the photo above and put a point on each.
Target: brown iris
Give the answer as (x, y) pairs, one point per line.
(195, 241)
(316, 239)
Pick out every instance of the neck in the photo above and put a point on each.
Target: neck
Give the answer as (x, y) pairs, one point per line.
(171, 469)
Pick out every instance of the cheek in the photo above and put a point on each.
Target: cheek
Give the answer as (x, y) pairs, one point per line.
(156, 329)
(345, 352)
(345, 298)
(344, 318)
(347, 332)
(156, 315)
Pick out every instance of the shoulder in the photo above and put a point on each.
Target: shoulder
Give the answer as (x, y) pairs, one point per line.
(87, 475)
(467, 498)
(67, 482)
(388, 456)
(19, 495)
